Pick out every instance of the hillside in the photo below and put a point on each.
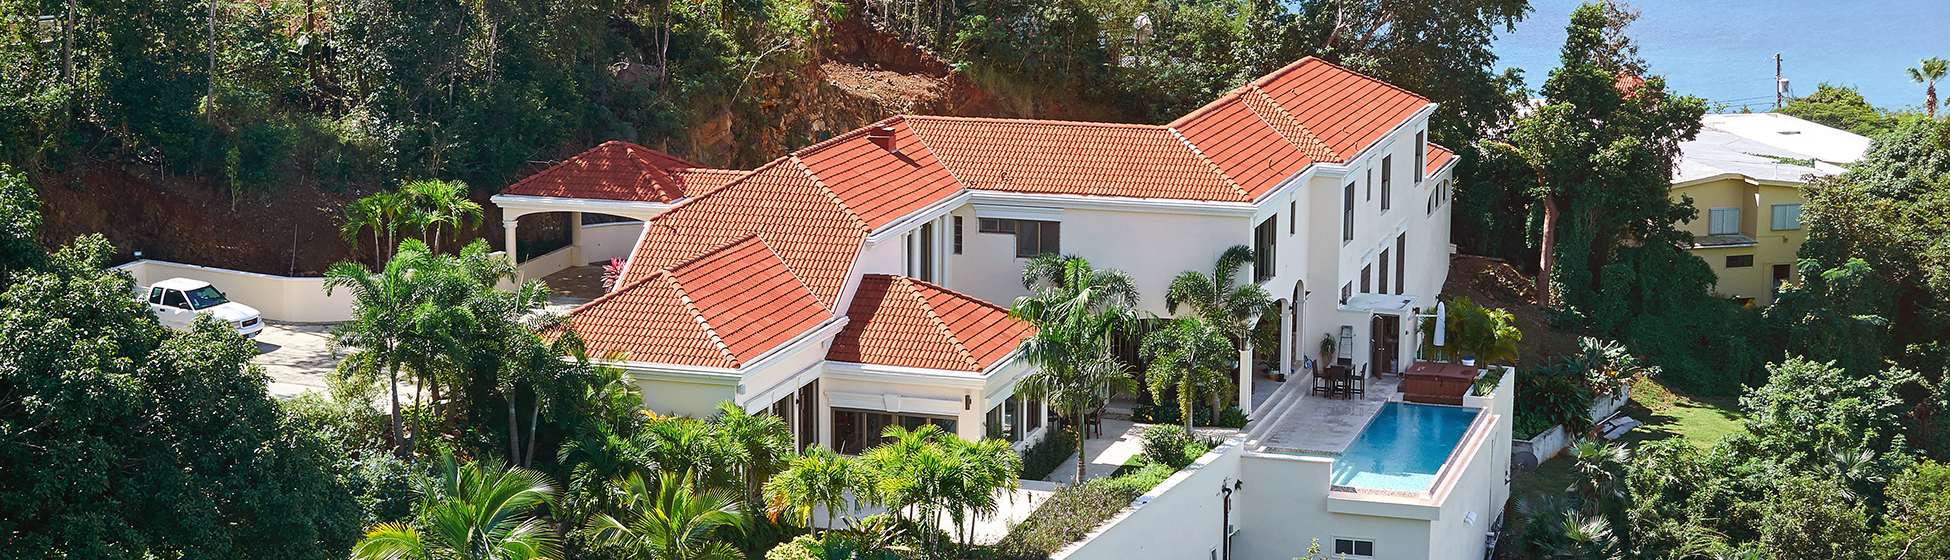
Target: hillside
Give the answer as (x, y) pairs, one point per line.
(1493, 283)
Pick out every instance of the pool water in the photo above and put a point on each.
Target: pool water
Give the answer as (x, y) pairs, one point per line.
(1403, 447)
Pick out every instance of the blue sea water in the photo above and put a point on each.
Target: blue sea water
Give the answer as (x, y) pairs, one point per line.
(1722, 51)
(1403, 447)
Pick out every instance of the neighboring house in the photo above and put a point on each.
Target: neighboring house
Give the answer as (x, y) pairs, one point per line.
(1744, 173)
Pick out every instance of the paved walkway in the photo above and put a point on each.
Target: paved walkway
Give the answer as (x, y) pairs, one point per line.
(1322, 425)
(297, 357)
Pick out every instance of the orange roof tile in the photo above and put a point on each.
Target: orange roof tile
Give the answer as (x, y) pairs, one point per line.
(613, 170)
(900, 321)
(1247, 148)
(1058, 157)
(1438, 157)
(696, 180)
(810, 228)
(1347, 111)
(723, 308)
(881, 186)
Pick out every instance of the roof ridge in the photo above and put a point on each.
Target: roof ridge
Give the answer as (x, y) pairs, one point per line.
(953, 292)
(841, 137)
(684, 296)
(1308, 135)
(1030, 121)
(1209, 164)
(834, 196)
(940, 325)
(938, 159)
(1268, 78)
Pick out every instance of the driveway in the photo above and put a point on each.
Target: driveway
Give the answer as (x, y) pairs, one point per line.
(296, 356)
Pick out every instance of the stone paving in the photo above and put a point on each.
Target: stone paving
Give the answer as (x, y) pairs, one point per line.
(1322, 425)
(297, 357)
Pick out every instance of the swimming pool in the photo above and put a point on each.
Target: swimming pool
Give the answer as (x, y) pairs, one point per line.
(1403, 447)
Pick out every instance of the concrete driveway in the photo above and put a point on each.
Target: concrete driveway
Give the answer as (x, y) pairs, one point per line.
(296, 356)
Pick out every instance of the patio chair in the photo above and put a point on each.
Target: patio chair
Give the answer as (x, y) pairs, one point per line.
(1358, 385)
(1093, 422)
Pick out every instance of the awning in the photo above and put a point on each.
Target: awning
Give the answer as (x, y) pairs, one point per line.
(1380, 303)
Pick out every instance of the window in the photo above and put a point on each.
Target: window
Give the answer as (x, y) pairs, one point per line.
(957, 235)
(1384, 271)
(174, 298)
(1032, 237)
(1353, 547)
(1347, 291)
(155, 295)
(1387, 171)
(1782, 275)
(1002, 422)
(1723, 221)
(855, 431)
(1740, 261)
(1432, 195)
(908, 251)
(1401, 263)
(1369, 186)
(1032, 414)
(1292, 217)
(1366, 274)
(1787, 216)
(808, 415)
(1421, 155)
(1263, 249)
(1347, 213)
(927, 252)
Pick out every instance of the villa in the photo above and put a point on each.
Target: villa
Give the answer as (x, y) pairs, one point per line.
(863, 282)
(1745, 171)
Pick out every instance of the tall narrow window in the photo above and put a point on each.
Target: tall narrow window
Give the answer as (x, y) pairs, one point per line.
(1383, 284)
(1347, 213)
(1387, 171)
(1401, 263)
(1367, 274)
(1421, 155)
(927, 252)
(1723, 221)
(1368, 186)
(1263, 248)
(909, 248)
(957, 235)
(1292, 217)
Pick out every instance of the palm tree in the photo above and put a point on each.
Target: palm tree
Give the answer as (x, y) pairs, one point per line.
(817, 478)
(472, 512)
(1232, 309)
(1190, 354)
(442, 203)
(1927, 73)
(679, 444)
(911, 472)
(759, 445)
(388, 308)
(387, 214)
(674, 520)
(987, 467)
(1075, 310)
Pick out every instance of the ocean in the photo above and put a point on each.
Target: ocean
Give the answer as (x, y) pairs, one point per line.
(1723, 51)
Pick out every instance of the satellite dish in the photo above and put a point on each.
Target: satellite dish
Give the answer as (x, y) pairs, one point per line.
(1524, 461)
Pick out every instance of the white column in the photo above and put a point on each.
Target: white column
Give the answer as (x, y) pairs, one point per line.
(1286, 340)
(1245, 377)
(508, 245)
(575, 241)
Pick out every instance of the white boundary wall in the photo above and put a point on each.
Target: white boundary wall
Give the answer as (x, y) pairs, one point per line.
(279, 298)
(615, 240)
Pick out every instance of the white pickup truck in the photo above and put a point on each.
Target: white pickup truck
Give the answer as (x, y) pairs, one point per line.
(177, 302)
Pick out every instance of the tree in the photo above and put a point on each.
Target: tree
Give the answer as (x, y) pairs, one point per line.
(1927, 72)
(389, 308)
(759, 445)
(1918, 522)
(673, 520)
(20, 224)
(471, 512)
(1190, 355)
(442, 203)
(1075, 309)
(128, 441)
(817, 478)
(388, 215)
(1841, 107)
(1233, 309)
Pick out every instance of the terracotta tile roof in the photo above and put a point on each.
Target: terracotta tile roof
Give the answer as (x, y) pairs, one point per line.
(1247, 148)
(1344, 109)
(1438, 157)
(614, 170)
(900, 321)
(881, 186)
(1058, 157)
(695, 180)
(810, 228)
(723, 308)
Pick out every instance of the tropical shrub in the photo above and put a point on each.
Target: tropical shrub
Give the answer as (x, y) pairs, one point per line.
(1165, 445)
(1166, 412)
(1044, 457)
(1555, 394)
(1064, 518)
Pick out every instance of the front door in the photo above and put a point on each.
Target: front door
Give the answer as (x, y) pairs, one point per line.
(1386, 333)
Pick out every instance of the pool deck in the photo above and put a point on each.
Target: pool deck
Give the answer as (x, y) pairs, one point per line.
(1319, 425)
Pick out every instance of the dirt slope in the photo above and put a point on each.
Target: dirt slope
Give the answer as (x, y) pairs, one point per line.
(1493, 283)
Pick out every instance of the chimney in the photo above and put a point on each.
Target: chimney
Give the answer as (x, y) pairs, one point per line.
(883, 136)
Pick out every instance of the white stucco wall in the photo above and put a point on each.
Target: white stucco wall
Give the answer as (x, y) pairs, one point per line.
(1181, 518)
(278, 298)
(614, 240)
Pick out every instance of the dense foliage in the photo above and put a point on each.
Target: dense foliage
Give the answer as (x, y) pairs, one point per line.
(125, 440)
(1844, 108)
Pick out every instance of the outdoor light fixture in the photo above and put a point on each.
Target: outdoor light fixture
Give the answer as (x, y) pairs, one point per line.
(968, 402)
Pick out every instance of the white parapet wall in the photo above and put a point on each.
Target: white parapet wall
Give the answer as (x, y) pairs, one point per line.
(614, 240)
(1184, 517)
(279, 298)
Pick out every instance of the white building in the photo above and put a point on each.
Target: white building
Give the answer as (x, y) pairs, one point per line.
(863, 281)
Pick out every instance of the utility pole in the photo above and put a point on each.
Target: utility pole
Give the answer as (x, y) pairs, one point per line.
(1780, 93)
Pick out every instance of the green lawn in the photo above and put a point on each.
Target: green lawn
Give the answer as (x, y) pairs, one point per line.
(1702, 421)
